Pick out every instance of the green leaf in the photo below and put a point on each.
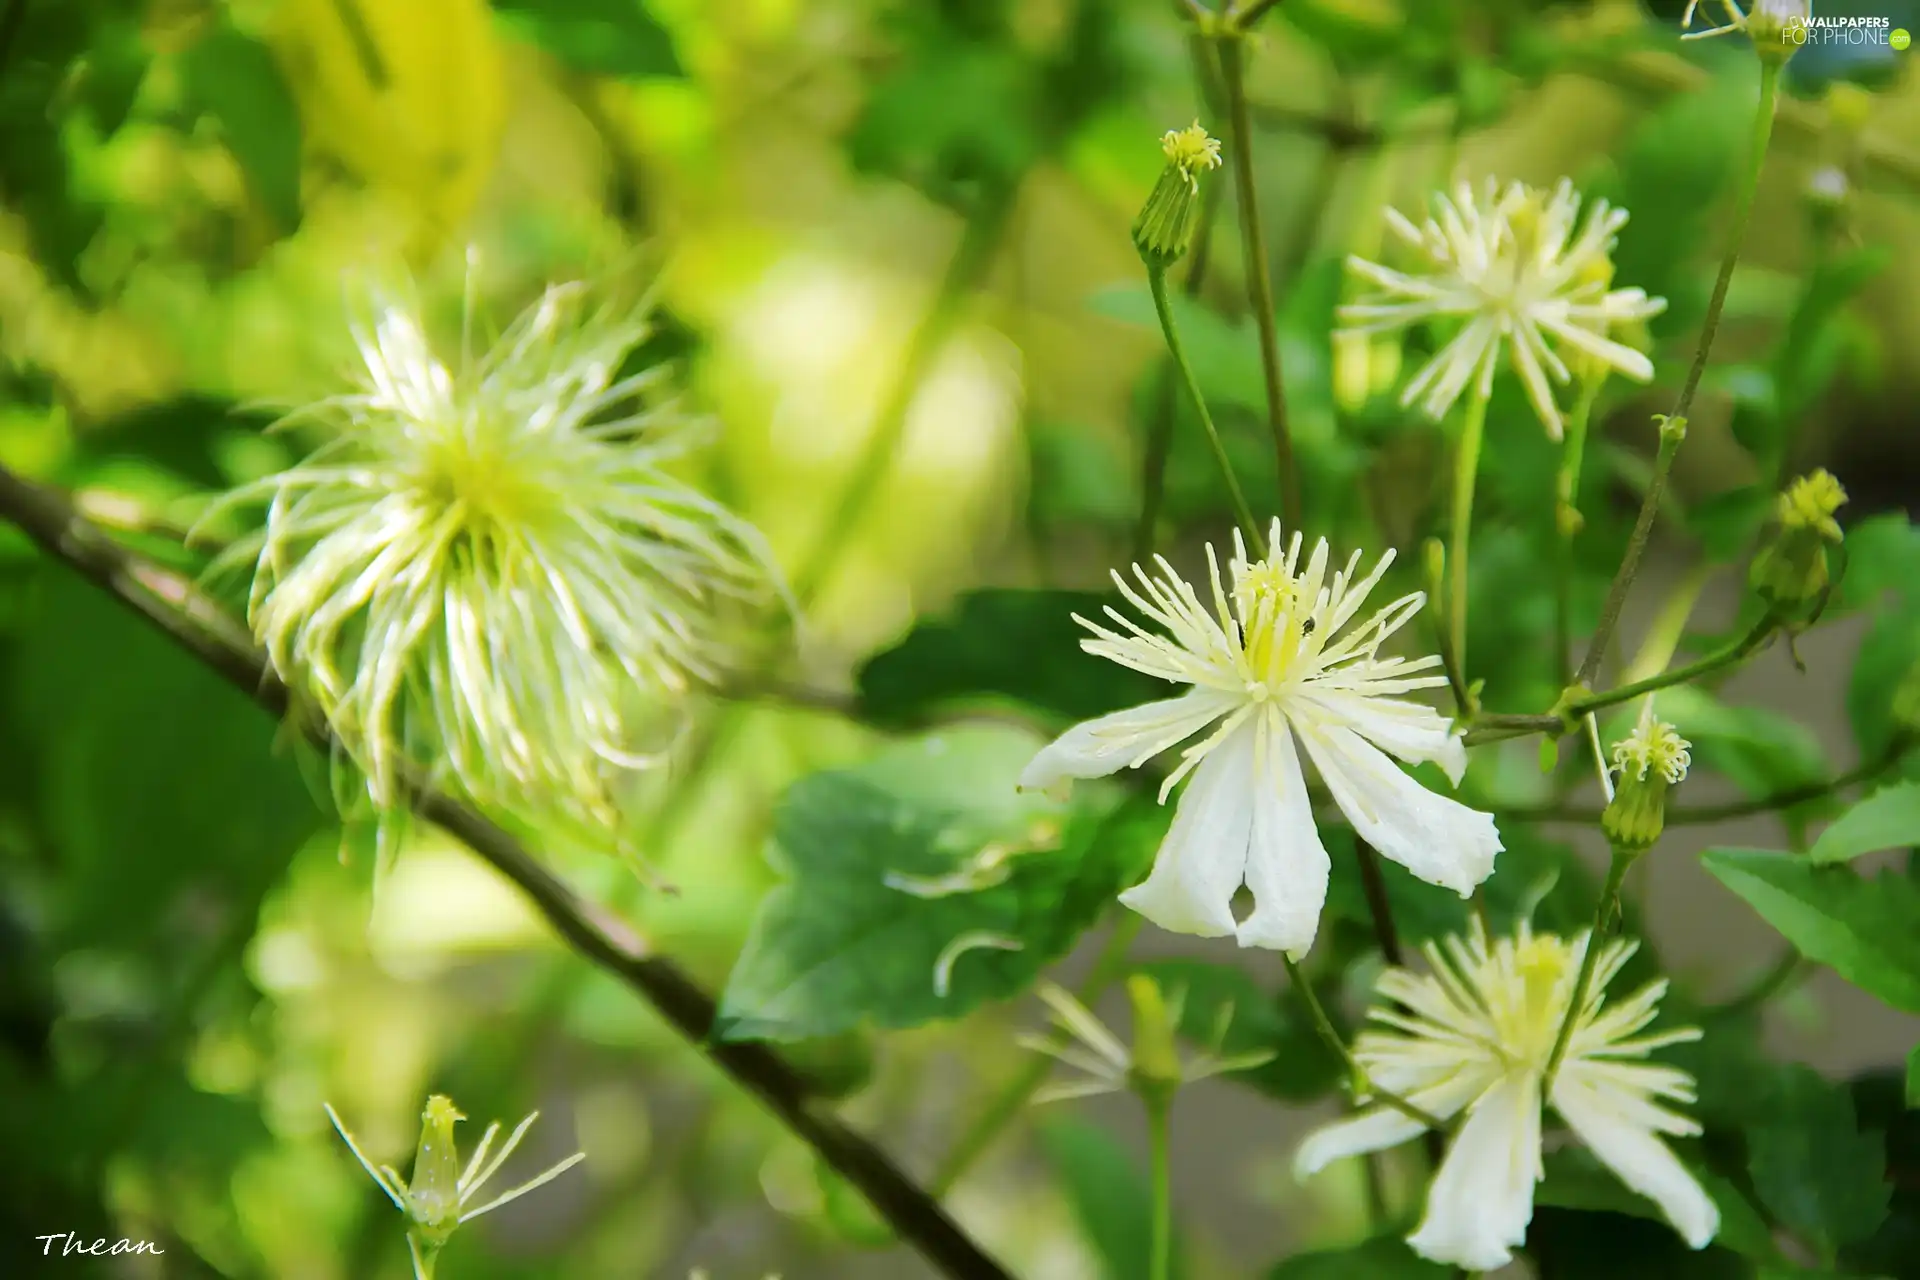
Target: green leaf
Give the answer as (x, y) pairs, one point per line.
(1005, 644)
(1886, 657)
(1576, 1180)
(911, 880)
(1882, 556)
(234, 79)
(608, 37)
(160, 783)
(1887, 819)
(1867, 931)
(1814, 1168)
(1382, 1258)
(1111, 1197)
(1303, 1068)
(1080, 476)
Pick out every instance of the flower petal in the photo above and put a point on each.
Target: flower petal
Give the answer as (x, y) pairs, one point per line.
(1481, 1200)
(1438, 839)
(1204, 857)
(1410, 731)
(1378, 1128)
(1096, 748)
(1287, 866)
(1637, 1157)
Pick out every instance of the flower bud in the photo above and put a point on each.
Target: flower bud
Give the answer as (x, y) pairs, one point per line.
(433, 1196)
(1156, 1064)
(1778, 28)
(1165, 228)
(1649, 761)
(1791, 570)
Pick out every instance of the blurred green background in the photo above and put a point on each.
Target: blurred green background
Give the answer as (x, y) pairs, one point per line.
(191, 190)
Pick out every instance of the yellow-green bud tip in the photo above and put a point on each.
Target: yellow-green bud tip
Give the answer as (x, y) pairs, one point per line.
(1810, 503)
(1191, 150)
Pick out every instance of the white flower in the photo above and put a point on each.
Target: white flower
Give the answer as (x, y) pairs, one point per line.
(1474, 1036)
(1516, 266)
(488, 572)
(1274, 662)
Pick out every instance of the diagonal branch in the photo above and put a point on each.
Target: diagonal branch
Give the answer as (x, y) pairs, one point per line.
(175, 606)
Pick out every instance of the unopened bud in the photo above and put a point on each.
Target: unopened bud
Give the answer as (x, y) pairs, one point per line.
(1778, 28)
(1649, 761)
(1156, 1062)
(1791, 570)
(1165, 229)
(434, 1193)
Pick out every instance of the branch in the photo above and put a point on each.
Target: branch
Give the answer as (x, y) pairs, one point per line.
(176, 607)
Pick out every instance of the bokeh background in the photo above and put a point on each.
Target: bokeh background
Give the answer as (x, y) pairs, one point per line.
(892, 246)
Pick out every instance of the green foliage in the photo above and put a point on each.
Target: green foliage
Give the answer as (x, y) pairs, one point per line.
(1576, 1180)
(1867, 931)
(1000, 644)
(1812, 1166)
(611, 37)
(1887, 819)
(233, 80)
(1110, 1197)
(1385, 1257)
(922, 886)
(1255, 1020)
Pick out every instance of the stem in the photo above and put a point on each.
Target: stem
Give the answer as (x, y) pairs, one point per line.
(1602, 913)
(1153, 467)
(1566, 517)
(1329, 1034)
(1255, 11)
(1259, 285)
(1378, 904)
(1163, 307)
(1673, 431)
(1011, 1101)
(1714, 661)
(169, 602)
(1159, 1114)
(969, 262)
(1466, 468)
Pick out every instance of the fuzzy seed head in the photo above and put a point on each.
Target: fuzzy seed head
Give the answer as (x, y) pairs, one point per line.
(487, 576)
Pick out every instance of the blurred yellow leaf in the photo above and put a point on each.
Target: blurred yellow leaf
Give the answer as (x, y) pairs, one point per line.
(407, 95)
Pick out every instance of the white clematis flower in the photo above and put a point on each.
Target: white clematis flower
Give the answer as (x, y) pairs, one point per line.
(1474, 1037)
(1271, 663)
(1517, 267)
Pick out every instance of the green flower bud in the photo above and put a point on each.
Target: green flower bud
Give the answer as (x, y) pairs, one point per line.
(1778, 28)
(1650, 761)
(1165, 228)
(1156, 1063)
(1790, 572)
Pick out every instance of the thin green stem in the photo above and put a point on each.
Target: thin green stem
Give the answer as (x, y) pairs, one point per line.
(1673, 430)
(1245, 18)
(1013, 1100)
(1159, 1117)
(1719, 658)
(1466, 467)
(969, 263)
(1233, 55)
(1163, 307)
(1566, 521)
(1331, 1036)
(1576, 1004)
